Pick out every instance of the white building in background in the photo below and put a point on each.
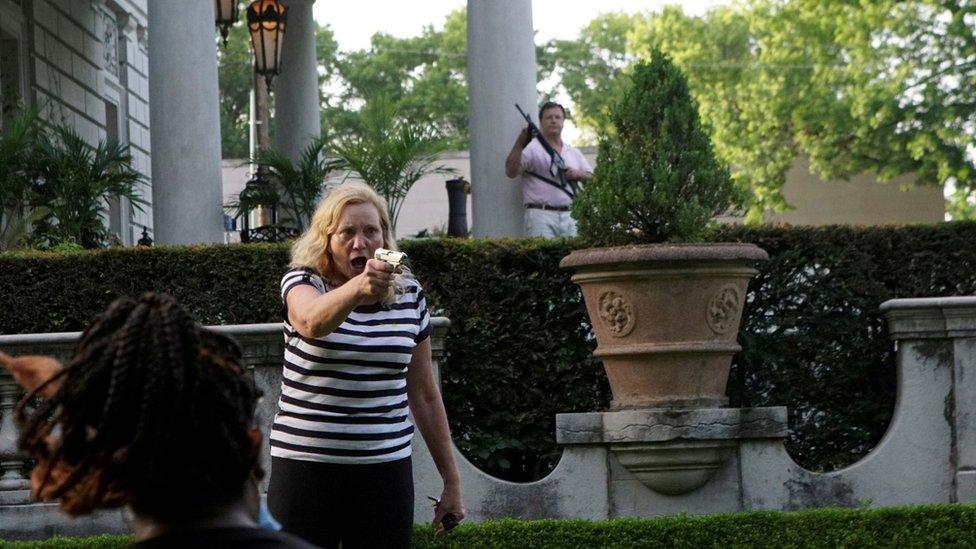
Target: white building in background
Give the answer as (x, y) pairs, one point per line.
(85, 64)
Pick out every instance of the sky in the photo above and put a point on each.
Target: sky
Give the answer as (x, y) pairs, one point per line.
(355, 22)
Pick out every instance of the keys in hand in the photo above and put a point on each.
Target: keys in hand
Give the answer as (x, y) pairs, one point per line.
(448, 522)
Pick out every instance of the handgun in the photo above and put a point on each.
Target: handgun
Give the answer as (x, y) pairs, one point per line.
(393, 258)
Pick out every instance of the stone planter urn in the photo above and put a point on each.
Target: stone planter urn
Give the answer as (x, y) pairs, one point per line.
(665, 318)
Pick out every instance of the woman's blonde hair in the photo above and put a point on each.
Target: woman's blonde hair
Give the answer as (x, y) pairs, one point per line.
(312, 247)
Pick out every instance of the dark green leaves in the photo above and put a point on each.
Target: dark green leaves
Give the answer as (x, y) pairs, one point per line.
(656, 178)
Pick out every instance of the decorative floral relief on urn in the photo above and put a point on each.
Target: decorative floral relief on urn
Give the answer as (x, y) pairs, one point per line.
(616, 313)
(723, 310)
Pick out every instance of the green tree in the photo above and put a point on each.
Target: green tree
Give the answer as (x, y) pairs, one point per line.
(863, 86)
(591, 69)
(744, 101)
(390, 153)
(891, 87)
(423, 76)
(234, 69)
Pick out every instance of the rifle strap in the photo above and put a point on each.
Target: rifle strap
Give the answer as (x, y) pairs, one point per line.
(570, 192)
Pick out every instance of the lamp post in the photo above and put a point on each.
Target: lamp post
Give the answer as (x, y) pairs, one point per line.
(266, 23)
(259, 208)
(226, 13)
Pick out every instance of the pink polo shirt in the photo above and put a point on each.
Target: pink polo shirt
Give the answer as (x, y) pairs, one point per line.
(536, 159)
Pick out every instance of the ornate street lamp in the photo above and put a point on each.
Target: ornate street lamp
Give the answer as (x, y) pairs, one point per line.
(258, 205)
(266, 23)
(226, 13)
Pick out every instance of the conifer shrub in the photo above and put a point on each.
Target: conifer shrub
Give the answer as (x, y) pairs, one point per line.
(657, 178)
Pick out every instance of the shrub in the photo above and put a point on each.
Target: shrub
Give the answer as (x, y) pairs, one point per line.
(656, 178)
(519, 345)
(296, 185)
(19, 145)
(918, 526)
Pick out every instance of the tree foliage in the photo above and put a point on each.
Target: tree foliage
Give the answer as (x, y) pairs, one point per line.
(234, 70)
(235, 73)
(882, 86)
(592, 69)
(422, 76)
(861, 86)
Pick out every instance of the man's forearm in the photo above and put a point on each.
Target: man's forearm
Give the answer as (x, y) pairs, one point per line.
(513, 163)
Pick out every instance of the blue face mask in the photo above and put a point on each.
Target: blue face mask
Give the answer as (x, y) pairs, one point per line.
(265, 520)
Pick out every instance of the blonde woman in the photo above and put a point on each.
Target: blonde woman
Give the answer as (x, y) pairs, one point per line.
(357, 355)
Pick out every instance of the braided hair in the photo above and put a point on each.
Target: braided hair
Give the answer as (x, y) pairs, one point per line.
(153, 411)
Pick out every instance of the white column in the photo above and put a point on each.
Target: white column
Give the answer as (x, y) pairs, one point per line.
(296, 89)
(501, 72)
(184, 123)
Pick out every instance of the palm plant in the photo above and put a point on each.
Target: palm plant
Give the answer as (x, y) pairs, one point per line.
(389, 153)
(18, 160)
(297, 184)
(75, 181)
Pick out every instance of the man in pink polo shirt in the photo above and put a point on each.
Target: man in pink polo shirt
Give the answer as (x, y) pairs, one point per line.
(546, 198)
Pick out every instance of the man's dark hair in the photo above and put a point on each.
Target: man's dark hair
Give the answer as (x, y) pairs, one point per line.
(153, 411)
(551, 105)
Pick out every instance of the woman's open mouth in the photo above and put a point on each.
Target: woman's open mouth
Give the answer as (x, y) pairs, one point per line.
(358, 263)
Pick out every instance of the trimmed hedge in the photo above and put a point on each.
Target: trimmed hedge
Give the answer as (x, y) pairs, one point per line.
(62, 292)
(812, 337)
(921, 526)
(520, 348)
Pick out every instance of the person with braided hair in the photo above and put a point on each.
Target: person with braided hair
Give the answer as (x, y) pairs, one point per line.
(155, 413)
(357, 357)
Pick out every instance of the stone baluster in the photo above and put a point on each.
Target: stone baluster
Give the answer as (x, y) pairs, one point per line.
(14, 487)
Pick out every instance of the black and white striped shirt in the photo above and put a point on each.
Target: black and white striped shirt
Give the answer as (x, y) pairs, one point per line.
(344, 395)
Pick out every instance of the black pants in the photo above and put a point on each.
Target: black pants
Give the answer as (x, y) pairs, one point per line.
(358, 505)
